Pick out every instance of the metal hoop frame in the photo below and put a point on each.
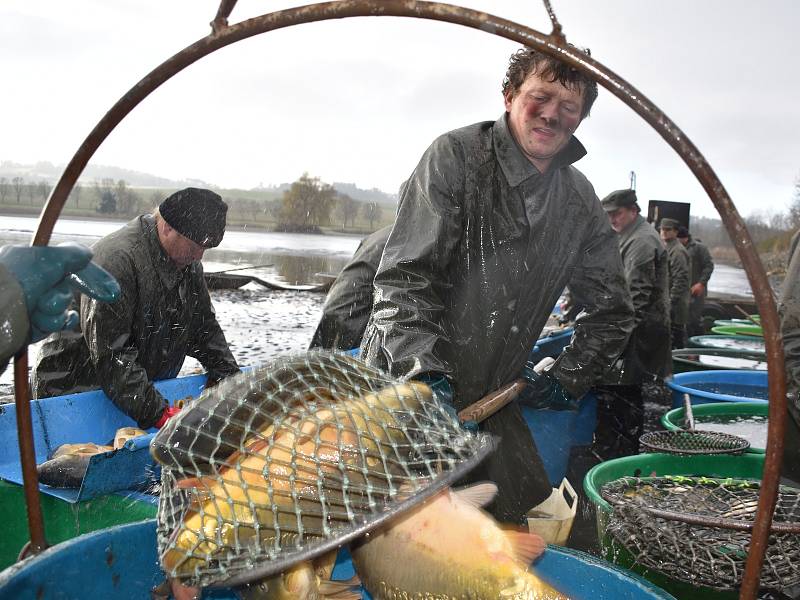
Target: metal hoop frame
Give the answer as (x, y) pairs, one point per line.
(554, 45)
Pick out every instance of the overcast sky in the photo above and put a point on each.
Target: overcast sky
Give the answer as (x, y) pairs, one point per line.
(359, 100)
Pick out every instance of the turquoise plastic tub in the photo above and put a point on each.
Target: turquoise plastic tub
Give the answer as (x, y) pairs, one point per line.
(705, 387)
(121, 563)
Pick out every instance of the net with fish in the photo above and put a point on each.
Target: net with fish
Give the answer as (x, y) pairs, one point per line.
(294, 458)
(697, 529)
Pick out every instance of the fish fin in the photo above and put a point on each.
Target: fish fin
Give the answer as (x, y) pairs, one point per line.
(477, 495)
(527, 546)
(203, 482)
(341, 590)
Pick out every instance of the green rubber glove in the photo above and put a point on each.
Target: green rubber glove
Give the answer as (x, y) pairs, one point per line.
(47, 276)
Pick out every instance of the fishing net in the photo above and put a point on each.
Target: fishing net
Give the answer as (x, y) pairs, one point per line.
(294, 458)
(697, 530)
(693, 442)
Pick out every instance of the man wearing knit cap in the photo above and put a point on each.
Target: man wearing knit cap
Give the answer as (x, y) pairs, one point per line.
(163, 315)
(680, 267)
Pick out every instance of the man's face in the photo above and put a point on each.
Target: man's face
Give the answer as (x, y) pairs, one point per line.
(542, 116)
(622, 217)
(179, 248)
(668, 234)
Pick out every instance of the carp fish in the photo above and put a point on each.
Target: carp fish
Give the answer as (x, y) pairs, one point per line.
(449, 548)
(281, 477)
(308, 580)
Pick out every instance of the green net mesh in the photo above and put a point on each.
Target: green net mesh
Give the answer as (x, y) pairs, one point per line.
(294, 458)
(697, 530)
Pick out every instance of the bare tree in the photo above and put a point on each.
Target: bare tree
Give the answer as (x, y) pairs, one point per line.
(75, 194)
(372, 211)
(794, 208)
(346, 209)
(31, 189)
(44, 189)
(5, 188)
(17, 183)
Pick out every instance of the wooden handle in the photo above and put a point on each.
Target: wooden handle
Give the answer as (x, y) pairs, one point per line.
(491, 403)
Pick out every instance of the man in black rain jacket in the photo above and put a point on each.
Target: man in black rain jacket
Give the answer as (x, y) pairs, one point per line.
(492, 225)
(163, 314)
(702, 266)
(349, 301)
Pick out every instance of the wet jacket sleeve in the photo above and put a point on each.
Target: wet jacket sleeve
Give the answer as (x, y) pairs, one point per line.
(107, 331)
(789, 311)
(349, 302)
(678, 277)
(14, 318)
(405, 327)
(640, 273)
(208, 344)
(707, 264)
(601, 332)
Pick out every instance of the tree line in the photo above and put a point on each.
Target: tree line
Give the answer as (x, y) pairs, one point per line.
(308, 205)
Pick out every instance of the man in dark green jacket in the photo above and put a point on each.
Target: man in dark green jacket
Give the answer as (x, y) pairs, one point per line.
(702, 267)
(493, 224)
(647, 357)
(679, 273)
(163, 314)
(789, 311)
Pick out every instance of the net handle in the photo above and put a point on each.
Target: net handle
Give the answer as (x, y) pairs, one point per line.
(720, 522)
(492, 402)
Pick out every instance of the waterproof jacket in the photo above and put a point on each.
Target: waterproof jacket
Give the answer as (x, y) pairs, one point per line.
(482, 247)
(14, 325)
(679, 288)
(648, 355)
(702, 263)
(163, 315)
(349, 302)
(789, 312)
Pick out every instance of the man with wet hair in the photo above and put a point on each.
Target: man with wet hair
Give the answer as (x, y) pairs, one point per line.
(680, 266)
(702, 266)
(493, 224)
(163, 314)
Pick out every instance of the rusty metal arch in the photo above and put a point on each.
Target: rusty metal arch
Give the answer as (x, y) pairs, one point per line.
(553, 44)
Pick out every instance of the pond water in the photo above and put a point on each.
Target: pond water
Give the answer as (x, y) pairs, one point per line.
(752, 428)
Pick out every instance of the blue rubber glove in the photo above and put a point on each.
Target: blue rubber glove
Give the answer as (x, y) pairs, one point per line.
(545, 391)
(46, 274)
(443, 394)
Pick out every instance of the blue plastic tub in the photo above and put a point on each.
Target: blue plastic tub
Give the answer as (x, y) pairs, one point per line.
(705, 387)
(121, 563)
(557, 431)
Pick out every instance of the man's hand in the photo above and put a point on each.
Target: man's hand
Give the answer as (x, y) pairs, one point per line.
(46, 273)
(168, 413)
(698, 289)
(545, 391)
(443, 394)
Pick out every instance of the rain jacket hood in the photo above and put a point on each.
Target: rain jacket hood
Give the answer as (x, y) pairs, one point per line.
(163, 315)
(481, 250)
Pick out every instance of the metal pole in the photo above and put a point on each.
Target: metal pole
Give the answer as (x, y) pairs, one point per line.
(553, 45)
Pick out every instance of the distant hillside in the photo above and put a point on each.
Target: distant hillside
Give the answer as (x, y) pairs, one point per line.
(46, 171)
(49, 172)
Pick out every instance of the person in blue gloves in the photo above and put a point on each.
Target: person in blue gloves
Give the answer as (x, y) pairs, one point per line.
(36, 286)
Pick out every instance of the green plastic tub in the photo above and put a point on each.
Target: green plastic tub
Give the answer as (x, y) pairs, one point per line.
(746, 466)
(749, 343)
(720, 411)
(713, 359)
(753, 330)
(63, 520)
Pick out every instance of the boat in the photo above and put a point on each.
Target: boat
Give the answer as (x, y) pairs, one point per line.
(226, 281)
(116, 485)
